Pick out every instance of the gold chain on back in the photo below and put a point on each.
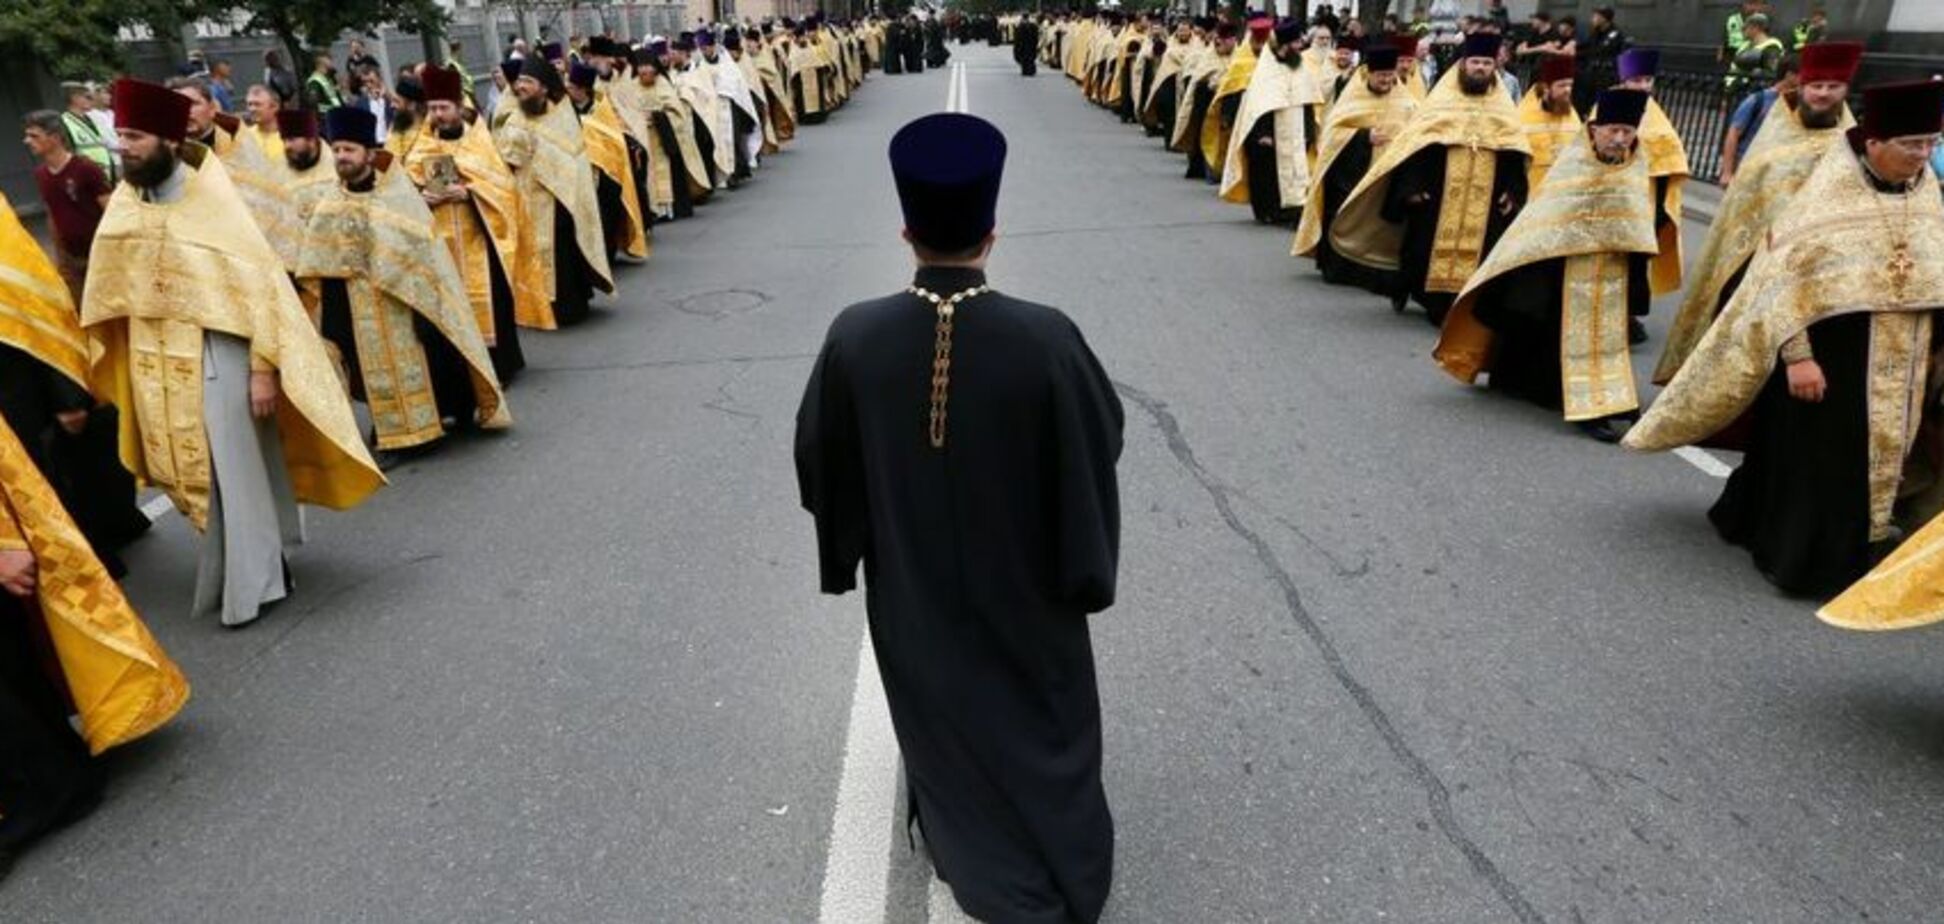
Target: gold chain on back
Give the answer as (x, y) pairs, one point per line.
(941, 382)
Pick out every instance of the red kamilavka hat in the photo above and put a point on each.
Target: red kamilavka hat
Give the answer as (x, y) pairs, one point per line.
(1556, 67)
(1835, 61)
(442, 83)
(146, 107)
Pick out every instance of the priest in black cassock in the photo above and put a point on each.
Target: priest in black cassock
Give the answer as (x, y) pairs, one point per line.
(961, 444)
(1026, 46)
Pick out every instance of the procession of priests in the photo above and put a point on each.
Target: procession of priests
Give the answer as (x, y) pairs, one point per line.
(274, 314)
(1535, 236)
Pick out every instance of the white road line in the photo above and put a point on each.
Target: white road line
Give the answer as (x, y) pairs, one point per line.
(857, 872)
(965, 88)
(158, 507)
(1705, 461)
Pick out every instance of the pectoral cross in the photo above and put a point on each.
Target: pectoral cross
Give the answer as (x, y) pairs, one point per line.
(1900, 266)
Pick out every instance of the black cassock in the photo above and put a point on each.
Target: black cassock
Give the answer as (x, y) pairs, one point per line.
(1026, 47)
(85, 469)
(1525, 310)
(1424, 173)
(981, 562)
(1197, 164)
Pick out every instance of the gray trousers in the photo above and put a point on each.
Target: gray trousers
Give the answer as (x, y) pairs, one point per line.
(253, 512)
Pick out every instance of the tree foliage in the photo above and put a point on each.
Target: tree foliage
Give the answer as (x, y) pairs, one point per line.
(306, 24)
(81, 38)
(77, 39)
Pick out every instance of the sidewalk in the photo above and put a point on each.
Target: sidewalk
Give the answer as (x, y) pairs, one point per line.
(1700, 202)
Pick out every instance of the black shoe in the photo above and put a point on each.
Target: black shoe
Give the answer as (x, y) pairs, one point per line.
(1636, 332)
(1601, 430)
(1399, 301)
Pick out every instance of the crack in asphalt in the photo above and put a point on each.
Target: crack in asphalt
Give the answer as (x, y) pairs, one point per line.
(1437, 794)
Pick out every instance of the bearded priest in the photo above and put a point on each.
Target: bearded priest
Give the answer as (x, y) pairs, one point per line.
(1267, 163)
(229, 400)
(541, 143)
(1546, 315)
(392, 300)
(1371, 111)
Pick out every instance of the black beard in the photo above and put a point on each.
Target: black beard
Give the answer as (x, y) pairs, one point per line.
(1557, 106)
(300, 161)
(150, 173)
(452, 132)
(1374, 91)
(535, 106)
(1821, 118)
(1476, 86)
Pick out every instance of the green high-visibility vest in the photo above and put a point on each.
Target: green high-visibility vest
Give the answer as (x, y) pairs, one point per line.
(86, 141)
(328, 90)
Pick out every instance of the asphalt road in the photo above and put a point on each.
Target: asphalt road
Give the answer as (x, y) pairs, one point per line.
(1386, 647)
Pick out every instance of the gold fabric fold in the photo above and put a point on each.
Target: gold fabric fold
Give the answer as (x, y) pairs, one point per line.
(607, 149)
(37, 316)
(782, 108)
(1202, 66)
(1282, 91)
(1820, 263)
(1214, 137)
(1904, 591)
(1356, 109)
(261, 186)
(1778, 162)
(306, 187)
(495, 200)
(382, 244)
(161, 276)
(1592, 215)
(123, 684)
(1448, 117)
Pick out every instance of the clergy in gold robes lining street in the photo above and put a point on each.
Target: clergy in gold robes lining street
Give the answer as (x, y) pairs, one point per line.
(229, 400)
(1825, 356)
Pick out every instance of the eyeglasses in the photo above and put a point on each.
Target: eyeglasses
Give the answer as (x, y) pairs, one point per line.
(1917, 144)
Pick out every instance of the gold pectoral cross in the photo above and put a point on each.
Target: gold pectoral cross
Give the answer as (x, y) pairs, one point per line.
(1900, 266)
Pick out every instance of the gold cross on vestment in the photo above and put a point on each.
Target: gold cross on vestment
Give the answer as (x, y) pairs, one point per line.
(1901, 266)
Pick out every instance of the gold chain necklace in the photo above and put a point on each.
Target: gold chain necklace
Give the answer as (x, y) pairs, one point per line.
(941, 382)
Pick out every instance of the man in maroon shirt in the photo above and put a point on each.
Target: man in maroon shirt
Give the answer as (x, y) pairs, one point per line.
(75, 192)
